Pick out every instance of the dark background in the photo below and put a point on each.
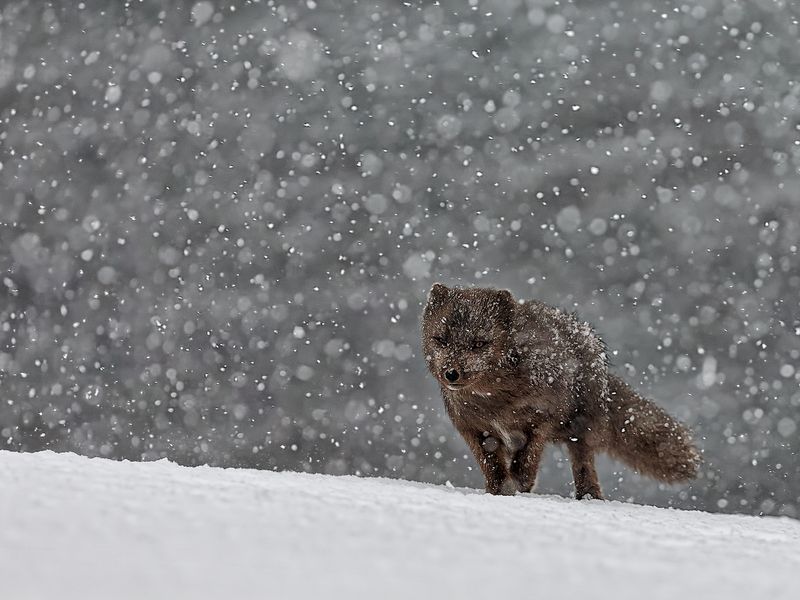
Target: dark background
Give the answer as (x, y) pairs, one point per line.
(218, 222)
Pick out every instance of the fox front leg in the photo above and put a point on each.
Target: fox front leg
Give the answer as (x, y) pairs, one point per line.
(493, 460)
(525, 464)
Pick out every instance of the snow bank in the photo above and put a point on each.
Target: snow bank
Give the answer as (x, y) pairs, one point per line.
(73, 527)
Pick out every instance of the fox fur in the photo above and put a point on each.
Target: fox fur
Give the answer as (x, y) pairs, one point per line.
(516, 376)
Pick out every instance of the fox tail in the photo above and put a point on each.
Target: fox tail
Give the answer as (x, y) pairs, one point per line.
(645, 437)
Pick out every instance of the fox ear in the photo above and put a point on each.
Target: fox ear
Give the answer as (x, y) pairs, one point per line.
(505, 298)
(438, 294)
(504, 303)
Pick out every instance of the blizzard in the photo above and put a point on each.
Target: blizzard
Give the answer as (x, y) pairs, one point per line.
(77, 527)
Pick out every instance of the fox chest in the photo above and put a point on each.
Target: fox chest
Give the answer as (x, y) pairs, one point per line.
(500, 425)
(498, 436)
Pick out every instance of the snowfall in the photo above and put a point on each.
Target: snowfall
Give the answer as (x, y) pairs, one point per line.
(75, 527)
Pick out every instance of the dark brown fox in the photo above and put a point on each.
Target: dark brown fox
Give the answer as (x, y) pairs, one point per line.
(518, 375)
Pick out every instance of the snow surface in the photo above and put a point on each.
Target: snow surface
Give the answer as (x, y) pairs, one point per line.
(74, 527)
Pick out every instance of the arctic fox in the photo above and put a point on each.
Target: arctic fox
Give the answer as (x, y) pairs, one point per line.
(518, 375)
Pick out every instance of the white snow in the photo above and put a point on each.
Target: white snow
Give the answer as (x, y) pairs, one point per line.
(73, 527)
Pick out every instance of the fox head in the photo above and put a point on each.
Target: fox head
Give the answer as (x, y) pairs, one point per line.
(466, 337)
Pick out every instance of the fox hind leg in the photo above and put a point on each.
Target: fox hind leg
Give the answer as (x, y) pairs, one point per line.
(583, 472)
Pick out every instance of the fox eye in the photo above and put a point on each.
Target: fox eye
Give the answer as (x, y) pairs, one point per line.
(440, 340)
(478, 344)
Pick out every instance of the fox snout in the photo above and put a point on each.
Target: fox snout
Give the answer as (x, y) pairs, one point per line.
(452, 375)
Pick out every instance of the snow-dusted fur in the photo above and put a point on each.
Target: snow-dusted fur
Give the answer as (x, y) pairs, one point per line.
(518, 375)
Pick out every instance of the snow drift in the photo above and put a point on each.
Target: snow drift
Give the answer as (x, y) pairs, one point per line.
(73, 527)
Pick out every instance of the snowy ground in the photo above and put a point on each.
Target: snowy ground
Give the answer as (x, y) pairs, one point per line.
(72, 527)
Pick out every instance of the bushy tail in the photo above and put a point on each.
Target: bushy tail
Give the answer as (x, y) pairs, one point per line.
(647, 438)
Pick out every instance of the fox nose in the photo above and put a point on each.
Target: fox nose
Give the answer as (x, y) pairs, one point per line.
(452, 375)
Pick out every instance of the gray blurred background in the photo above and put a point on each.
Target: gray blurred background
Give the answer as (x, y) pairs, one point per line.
(218, 221)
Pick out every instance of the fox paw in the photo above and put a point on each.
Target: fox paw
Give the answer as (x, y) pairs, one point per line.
(590, 495)
(507, 488)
